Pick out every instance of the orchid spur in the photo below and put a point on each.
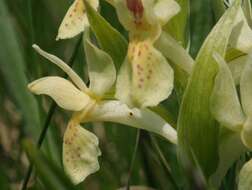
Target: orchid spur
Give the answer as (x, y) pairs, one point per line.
(88, 104)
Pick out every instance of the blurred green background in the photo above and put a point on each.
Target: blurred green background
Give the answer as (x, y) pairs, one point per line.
(22, 115)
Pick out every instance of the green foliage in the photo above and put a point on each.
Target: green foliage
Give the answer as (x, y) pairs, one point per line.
(12, 68)
(209, 155)
(197, 129)
(49, 174)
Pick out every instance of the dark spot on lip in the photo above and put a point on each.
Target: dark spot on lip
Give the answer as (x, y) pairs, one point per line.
(130, 113)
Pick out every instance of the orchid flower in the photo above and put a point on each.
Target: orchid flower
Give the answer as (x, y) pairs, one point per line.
(88, 104)
(225, 103)
(75, 20)
(241, 36)
(145, 78)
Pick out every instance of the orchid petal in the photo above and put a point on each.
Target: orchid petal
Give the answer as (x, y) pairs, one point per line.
(80, 153)
(245, 177)
(101, 69)
(64, 93)
(137, 16)
(241, 37)
(172, 50)
(165, 10)
(246, 133)
(245, 87)
(61, 64)
(225, 105)
(246, 98)
(115, 111)
(237, 66)
(145, 78)
(123, 84)
(75, 20)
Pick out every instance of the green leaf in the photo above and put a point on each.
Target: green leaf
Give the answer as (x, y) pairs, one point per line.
(51, 176)
(178, 25)
(201, 22)
(4, 184)
(12, 69)
(198, 131)
(218, 8)
(225, 104)
(101, 69)
(136, 188)
(110, 40)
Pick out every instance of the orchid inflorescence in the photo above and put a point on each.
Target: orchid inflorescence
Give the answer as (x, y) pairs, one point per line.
(146, 78)
(80, 147)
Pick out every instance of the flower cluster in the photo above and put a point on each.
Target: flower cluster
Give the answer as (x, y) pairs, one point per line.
(145, 79)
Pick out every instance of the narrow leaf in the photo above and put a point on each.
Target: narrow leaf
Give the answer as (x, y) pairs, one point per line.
(49, 174)
(12, 69)
(198, 131)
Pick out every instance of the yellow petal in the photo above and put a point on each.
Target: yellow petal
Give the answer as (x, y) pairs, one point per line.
(64, 93)
(61, 64)
(147, 79)
(242, 34)
(75, 20)
(80, 153)
(165, 10)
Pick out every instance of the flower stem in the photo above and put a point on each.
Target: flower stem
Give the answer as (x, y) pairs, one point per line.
(133, 157)
(163, 161)
(48, 119)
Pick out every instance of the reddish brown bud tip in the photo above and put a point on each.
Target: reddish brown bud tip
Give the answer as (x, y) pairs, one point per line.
(136, 7)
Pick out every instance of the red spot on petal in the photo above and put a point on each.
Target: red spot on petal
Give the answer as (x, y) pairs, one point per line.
(136, 7)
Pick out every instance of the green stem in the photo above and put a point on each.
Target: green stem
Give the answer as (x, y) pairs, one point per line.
(164, 161)
(133, 158)
(48, 120)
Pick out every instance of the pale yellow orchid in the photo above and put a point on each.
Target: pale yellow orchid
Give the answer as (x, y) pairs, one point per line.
(145, 78)
(226, 106)
(80, 147)
(75, 20)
